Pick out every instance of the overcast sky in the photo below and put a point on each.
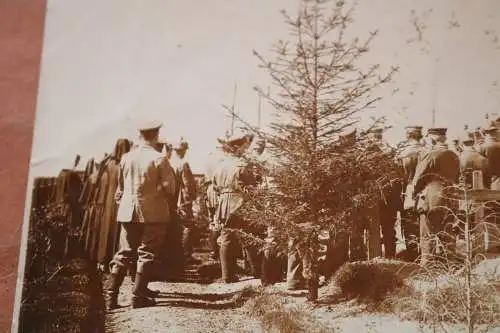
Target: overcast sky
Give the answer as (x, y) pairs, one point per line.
(106, 63)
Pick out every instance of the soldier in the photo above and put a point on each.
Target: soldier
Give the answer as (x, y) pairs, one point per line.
(456, 148)
(337, 252)
(383, 217)
(409, 158)
(230, 179)
(145, 184)
(172, 250)
(491, 150)
(438, 169)
(257, 177)
(212, 200)
(187, 193)
(472, 160)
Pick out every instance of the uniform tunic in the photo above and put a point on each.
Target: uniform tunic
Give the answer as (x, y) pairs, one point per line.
(438, 169)
(146, 183)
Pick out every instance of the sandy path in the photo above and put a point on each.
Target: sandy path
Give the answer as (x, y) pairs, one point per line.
(184, 307)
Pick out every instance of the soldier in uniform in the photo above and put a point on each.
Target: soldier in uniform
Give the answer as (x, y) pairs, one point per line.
(383, 216)
(187, 193)
(145, 184)
(491, 150)
(230, 179)
(472, 160)
(337, 252)
(409, 158)
(438, 169)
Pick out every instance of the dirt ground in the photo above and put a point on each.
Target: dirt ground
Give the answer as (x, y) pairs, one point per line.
(191, 307)
(185, 307)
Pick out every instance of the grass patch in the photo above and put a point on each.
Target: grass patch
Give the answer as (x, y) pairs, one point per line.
(276, 316)
(446, 303)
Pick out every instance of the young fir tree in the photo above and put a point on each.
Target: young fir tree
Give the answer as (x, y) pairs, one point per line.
(320, 94)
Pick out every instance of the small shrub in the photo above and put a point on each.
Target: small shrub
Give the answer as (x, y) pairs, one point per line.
(366, 281)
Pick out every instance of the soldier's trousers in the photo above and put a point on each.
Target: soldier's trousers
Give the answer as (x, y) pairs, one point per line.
(252, 252)
(188, 231)
(436, 235)
(337, 253)
(301, 266)
(138, 240)
(357, 246)
(410, 226)
(228, 254)
(387, 218)
(294, 277)
(214, 246)
(272, 266)
(172, 248)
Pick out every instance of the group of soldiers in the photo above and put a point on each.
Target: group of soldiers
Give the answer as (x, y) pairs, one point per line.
(153, 191)
(431, 170)
(428, 169)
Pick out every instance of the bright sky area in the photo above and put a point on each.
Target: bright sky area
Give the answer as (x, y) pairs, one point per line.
(106, 64)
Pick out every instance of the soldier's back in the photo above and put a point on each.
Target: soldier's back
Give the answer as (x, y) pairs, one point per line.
(491, 150)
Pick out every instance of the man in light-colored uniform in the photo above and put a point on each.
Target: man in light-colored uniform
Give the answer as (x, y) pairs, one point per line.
(438, 169)
(145, 184)
(409, 158)
(230, 178)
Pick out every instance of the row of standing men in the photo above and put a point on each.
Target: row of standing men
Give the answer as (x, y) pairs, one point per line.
(425, 171)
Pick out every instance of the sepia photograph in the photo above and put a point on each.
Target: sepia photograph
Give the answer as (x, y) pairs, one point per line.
(319, 166)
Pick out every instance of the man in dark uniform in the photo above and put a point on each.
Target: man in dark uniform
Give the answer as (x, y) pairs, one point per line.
(145, 184)
(389, 204)
(187, 193)
(337, 252)
(409, 158)
(471, 160)
(491, 150)
(438, 169)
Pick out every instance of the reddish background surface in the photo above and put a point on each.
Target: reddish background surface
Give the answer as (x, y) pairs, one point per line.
(21, 31)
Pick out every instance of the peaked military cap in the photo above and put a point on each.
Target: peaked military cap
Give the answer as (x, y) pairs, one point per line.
(349, 136)
(467, 137)
(150, 125)
(490, 127)
(183, 144)
(437, 131)
(376, 130)
(413, 128)
(236, 142)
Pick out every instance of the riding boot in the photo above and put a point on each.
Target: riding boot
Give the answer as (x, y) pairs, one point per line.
(114, 283)
(141, 298)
